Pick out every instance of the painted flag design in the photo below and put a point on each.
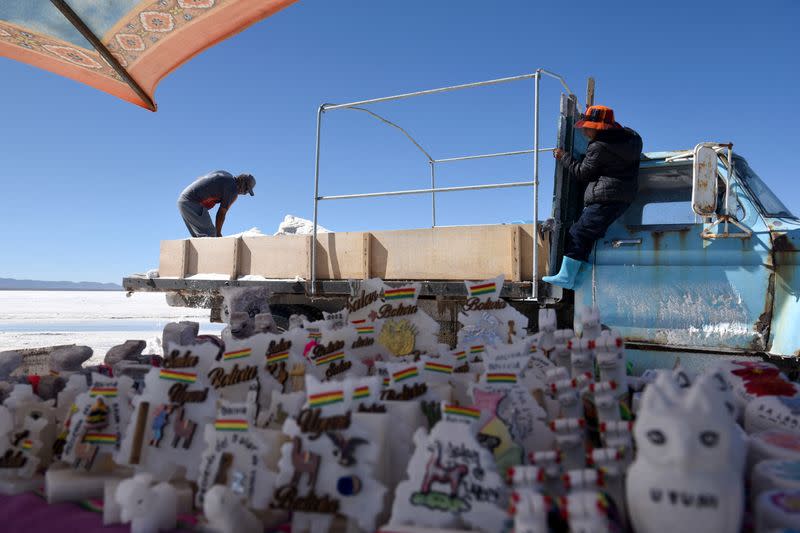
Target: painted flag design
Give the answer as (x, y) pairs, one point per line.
(277, 357)
(360, 393)
(108, 392)
(100, 438)
(501, 377)
(174, 375)
(238, 354)
(408, 373)
(482, 288)
(438, 367)
(468, 412)
(325, 359)
(325, 398)
(399, 294)
(230, 424)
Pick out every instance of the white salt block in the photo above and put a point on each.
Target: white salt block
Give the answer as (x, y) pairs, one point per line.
(775, 475)
(773, 444)
(226, 513)
(149, 508)
(772, 412)
(778, 509)
(67, 485)
(10, 487)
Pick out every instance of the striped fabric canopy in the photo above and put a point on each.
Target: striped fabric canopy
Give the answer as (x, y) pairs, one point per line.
(122, 47)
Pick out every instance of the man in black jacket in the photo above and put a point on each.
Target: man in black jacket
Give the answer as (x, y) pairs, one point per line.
(610, 172)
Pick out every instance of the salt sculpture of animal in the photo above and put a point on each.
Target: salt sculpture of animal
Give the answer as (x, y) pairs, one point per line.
(562, 355)
(582, 357)
(610, 354)
(226, 513)
(530, 510)
(304, 462)
(715, 382)
(570, 438)
(606, 400)
(184, 430)
(436, 472)
(149, 508)
(689, 466)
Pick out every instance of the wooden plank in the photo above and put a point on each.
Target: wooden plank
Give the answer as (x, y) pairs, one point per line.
(279, 257)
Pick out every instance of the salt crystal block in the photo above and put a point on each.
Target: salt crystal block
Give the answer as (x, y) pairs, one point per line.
(773, 444)
(67, 485)
(778, 509)
(182, 333)
(128, 350)
(9, 361)
(69, 358)
(775, 475)
(772, 412)
(10, 487)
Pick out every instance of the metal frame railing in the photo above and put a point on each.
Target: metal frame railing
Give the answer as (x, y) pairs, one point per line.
(536, 76)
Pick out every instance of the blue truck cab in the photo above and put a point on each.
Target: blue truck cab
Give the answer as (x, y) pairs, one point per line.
(673, 281)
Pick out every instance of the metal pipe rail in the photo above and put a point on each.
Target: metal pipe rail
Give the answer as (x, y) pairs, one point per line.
(536, 76)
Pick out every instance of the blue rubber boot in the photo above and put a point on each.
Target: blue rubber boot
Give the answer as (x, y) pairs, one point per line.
(567, 275)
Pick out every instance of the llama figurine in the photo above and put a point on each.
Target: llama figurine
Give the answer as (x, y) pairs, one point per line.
(610, 353)
(689, 466)
(582, 357)
(590, 323)
(570, 439)
(526, 477)
(606, 400)
(562, 355)
(587, 512)
(530, 510)
(618, 436)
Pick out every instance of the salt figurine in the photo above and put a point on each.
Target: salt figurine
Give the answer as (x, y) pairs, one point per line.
(149, 508)
(570, 440)
(550, 463)
(611, 462)
(590, 323)
(567, 393)
(562, 355)
(618, 435)
(547, 328)
(688, 451)
(606, 400)
(530, 510)
(610, 354)
(589, 512)
(526, 477)
(226, 513)
(582, 358)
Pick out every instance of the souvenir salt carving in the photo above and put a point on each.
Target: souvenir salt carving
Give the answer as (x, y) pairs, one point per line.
(610, 355)
(493, 431)
(589, 511)
(328, 467)
(165, 432)
(618, 435)
(149, 508)
(330, 358)
(406, 383)
(531, 511)
(582, 359)
(281, 407)
(570, 436)
(778, 509)
(95, 428)
(226, 513)
(283, 354)
(775, 474)
(75, 385)
(606, 401)
(20, 446)
(772, 412)
(562, 354)
(588, 323)
(750, 380)
(526, 477)
(486, 318)
(611, 462)
(773, 444)
(543, 341)
(568, 394)
(583, 479)
(689, 465)
(550, 463)
(234, 457)
(452, 481)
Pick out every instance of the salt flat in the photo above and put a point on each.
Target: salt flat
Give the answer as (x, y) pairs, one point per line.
(33, 319)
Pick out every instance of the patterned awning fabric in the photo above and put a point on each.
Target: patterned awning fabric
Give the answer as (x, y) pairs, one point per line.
(149, 38)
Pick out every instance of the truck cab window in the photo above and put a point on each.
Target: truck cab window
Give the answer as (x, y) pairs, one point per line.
(665, 197)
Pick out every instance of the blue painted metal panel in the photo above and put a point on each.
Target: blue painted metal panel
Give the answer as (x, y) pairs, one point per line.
(785, 330)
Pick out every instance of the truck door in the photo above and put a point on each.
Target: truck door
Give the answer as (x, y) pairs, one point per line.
(659, 282)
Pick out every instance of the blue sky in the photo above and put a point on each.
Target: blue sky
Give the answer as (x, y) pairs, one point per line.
(90, 182)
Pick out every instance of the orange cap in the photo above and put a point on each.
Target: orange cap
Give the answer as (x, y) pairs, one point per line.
(598, 117)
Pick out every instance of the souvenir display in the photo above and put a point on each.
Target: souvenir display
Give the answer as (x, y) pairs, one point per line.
(778, 509)
(225, 512)
(773, 444)
(147, 507)
(531, 511)
(774, 474)
(772, 412)
(487, 319)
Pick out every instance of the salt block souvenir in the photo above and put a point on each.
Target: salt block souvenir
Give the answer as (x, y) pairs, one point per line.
(618, 435)
(567, 393)
(531, 368)
(524, 477)
(234, 457)
(582, 358)
(775, 474)
(589, 511)
(552, 377)
(688, 451)
(612, 464)
(96, 426)
(587, 323)
(76, 384)
(486, 318)
(241, 372)
(561, 354)
(405, 329)
(20, 446)
(607, 402)
(283, 356)
(406, 383)
(552, 468)
(452, 481)
(226, 513)
(330, 358)
(611, 360)
(570, 440)
(773, 444)
(436, 370)
(281, 407)
(165, 432)
(531, 510)
(149, 508)
(328, 467)
(778, 509)
(494, 432)
(750, 380)
(772, 412)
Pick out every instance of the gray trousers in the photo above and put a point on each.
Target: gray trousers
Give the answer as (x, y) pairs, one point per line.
(196, 218)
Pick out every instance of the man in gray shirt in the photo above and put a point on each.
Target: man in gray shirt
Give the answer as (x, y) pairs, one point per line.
(218, 187)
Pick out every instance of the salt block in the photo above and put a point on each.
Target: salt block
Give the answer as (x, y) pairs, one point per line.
(69, 358)
(775, 475)
(778, 509)
(10, 487)
(182, 333)
(773, 444)
(274, 438)
(127, 350)
(68, 485)
(9, 361)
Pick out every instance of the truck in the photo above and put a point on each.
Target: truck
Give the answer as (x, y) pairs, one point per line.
(702, 266)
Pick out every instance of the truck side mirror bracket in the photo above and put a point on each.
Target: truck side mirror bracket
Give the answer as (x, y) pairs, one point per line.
(705, 189)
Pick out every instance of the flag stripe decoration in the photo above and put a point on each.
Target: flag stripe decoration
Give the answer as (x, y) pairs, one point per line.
(483, 288)
(314, 334)
(365, 330)
(329, 358)
(27, 444)
(386, 382)
(277, 357)
(100, 438)
(501, 377)
(438, 367)
(325, 398)
(360, 392)
(408, 373)
(468, 412)
(174, 375)
(108, 392)
(476, 349)
(460, 356)
(238, 354)
(399, 294)
(230, 424)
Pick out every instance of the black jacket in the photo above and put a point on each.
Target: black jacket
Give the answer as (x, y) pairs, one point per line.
(610, 168)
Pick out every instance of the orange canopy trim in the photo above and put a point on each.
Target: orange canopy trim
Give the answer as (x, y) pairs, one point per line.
(150, 41)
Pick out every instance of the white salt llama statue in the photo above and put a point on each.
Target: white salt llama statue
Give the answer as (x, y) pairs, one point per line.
(227, 513)
(148, 508)
(689, 466)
